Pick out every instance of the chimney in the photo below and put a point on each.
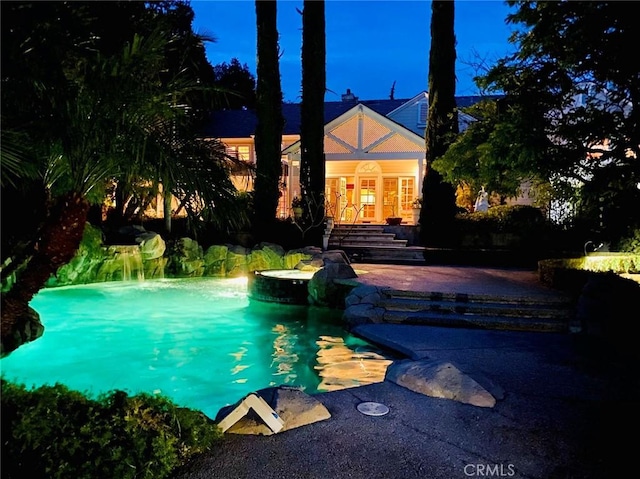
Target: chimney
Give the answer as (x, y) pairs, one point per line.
(349, 96)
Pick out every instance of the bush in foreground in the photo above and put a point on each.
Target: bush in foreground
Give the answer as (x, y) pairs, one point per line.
(54, 432)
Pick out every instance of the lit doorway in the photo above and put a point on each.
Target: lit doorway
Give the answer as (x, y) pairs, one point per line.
(390, 204)
(368, 199)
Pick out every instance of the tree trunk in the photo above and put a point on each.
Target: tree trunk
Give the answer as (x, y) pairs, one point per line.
(166, 203)
(268, 139)
(439, 201)
(312, 161)
(58, 243)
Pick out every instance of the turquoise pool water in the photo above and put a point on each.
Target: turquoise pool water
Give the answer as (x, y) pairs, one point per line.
(201, 342)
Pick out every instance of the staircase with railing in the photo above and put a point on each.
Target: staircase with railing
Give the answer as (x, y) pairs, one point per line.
(373, 243)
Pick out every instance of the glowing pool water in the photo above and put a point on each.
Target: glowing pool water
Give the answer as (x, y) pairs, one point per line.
(201, 342)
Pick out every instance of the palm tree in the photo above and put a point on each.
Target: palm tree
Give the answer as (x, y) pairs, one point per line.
(312, 161)
(439, 206)
(114, 115)
(268, 139)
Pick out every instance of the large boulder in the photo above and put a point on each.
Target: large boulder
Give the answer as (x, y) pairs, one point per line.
(440, 379)
(361, 306)
(122, 262)
(237, 261)
(294, 406)
(26, 329)
(293, 257)
(154, 268)
(84, 266)
(325, 291)
(215, 261)
(152, 245)
(266, 256)
(186, 259)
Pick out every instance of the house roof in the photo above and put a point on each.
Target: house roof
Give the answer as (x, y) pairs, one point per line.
(367, 137)
(242, 123)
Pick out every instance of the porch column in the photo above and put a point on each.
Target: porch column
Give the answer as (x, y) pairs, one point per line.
(294, 176)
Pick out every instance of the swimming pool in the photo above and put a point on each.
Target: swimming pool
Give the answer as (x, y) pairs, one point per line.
(201, 342)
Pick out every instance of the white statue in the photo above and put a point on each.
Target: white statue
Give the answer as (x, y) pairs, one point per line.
(482, 201)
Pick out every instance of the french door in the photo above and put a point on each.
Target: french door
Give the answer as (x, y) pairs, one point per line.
(367, 199)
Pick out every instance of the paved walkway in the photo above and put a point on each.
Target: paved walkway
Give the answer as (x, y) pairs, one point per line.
(567, 408)
(454, 279)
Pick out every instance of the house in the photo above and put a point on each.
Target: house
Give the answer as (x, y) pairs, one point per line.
(374, 150)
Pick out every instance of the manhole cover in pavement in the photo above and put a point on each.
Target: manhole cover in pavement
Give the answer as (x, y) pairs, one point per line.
(372, 408)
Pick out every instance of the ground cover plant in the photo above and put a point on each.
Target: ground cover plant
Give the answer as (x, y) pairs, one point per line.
(54, 432)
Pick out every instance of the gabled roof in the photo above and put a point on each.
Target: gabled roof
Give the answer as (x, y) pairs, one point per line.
(461, 101)
(362, 133)
(242, 123)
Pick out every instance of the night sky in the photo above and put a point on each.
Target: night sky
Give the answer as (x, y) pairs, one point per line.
(370, 44)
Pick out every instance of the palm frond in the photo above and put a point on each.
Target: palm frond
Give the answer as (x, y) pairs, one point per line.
(17, 160)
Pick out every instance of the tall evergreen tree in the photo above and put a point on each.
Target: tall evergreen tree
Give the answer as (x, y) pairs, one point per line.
(270, 122)
(439, 204)
(237, 83)
(312, 161)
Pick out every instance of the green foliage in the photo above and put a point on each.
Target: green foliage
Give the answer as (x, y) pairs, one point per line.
(237, 83)
(55, 432)
(519, 219)
(87, 260)
(572, 86)
(631, 243)
(481, 156)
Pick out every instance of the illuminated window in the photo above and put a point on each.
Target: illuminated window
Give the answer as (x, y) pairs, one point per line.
(244, 153)
(407, 192)
(241, 152)
(368, 197)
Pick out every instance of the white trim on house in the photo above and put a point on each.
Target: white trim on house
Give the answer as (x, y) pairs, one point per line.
(362, 137)
(419, 97)
(360, 149)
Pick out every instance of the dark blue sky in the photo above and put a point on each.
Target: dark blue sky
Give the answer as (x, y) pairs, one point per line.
(370, 44)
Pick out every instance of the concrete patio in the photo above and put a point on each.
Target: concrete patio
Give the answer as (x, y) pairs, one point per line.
(568, 408)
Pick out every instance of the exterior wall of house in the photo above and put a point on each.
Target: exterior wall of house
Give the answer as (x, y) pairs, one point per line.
(409, 117)
(392, 185)
(526, 196)
(373, 167)
(374, 164)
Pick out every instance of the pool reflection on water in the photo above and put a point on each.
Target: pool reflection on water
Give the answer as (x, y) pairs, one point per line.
(199, 341)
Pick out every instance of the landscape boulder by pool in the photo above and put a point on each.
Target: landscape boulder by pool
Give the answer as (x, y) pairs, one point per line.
(294, 406)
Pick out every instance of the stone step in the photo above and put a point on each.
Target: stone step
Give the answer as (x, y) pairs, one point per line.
(383, 254)
(367, 243)
(453, 320)
(359, 227)
(361, 237)
(531, 309)
(551, 300)
(370, 243)
(545, 313)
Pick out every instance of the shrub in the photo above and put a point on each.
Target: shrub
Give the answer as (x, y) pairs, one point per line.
(512, 219)
(54, 432)
(630, 243)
